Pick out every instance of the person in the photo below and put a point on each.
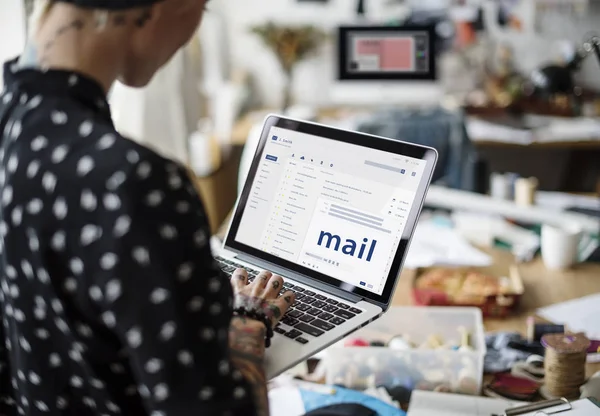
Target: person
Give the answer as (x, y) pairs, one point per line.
(111, 302)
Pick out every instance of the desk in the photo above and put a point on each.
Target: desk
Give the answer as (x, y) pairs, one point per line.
(542, 288)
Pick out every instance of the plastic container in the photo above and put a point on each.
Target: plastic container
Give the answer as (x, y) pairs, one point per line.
(446, 369)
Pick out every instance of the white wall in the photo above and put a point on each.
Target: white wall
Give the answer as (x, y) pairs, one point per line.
(12, 29)
(313, 77)
(248, 52)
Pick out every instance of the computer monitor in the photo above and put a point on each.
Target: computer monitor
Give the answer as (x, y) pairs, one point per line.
(386, 65)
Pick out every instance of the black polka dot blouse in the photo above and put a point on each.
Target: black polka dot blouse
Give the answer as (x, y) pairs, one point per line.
(110, 300)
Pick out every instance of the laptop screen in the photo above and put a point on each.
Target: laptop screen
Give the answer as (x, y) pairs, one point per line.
(337, 208)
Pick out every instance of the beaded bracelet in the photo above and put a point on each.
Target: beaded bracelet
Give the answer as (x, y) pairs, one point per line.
(258, 316)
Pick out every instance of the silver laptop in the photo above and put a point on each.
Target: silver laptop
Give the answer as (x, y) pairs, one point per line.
(333, 212)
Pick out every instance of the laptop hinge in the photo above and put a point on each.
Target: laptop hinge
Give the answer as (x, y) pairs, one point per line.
(350, 297)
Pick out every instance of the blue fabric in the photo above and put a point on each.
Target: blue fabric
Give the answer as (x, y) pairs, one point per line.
(435, 127)
(313, 400)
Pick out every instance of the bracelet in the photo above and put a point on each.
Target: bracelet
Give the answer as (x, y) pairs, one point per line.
(258, 316)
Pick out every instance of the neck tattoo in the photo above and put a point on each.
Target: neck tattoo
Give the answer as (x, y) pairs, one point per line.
(75, 25)
(31, 57)
(35, 56)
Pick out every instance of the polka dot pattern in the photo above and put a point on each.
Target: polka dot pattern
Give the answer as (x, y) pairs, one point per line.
(110, 300)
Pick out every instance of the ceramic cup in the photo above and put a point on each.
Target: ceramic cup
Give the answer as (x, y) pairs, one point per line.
(560, 245)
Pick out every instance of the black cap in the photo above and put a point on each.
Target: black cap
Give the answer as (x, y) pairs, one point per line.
(111, 4)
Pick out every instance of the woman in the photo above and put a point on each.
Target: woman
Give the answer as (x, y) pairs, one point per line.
(110, 299)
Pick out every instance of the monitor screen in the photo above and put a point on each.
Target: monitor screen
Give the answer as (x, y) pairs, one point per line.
(394, 53)
(336, 208)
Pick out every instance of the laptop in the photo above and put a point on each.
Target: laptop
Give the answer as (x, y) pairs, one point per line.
(332, 212)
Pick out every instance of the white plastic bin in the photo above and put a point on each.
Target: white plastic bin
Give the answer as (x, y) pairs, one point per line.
(444, 370)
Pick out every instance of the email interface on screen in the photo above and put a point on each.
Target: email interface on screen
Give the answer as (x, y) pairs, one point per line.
(336, 208)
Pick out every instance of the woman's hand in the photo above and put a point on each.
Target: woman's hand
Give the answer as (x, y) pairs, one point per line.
(247, 337)
(262, 295)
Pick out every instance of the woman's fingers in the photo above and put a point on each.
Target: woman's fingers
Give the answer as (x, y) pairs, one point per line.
(284, 302)
(260, 282)
(273, 287)
(239, 279)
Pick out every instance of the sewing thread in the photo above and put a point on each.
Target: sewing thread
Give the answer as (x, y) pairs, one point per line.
(564, 364)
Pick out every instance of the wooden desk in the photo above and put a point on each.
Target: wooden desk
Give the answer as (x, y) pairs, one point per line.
(542, 288)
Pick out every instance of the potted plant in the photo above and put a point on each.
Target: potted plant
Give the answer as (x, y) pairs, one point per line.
(290, 44)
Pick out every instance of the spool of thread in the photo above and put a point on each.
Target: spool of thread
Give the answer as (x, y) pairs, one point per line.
(499, 186)
(399, 343)
(465, 339)
(564, 364)
(525, 189)
(356, 342)
(531, 328)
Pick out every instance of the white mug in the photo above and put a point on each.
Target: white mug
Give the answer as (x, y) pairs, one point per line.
(560, 245)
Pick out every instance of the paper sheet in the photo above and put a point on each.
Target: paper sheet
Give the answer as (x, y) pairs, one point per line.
(286, 401)
(435, 245)
(561, 201)
(426, 403)
(540, 130)
(579, 315)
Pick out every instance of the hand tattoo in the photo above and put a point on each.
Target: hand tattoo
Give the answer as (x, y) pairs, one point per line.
(288, 299)
(247, 339)
(276, 311)
(253, 303)
(247, 349)
(276, 284)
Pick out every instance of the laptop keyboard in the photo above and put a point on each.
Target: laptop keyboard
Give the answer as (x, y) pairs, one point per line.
(311, 314)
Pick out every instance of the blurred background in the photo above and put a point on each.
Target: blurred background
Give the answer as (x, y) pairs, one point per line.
(507, 91)
(508, 86)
